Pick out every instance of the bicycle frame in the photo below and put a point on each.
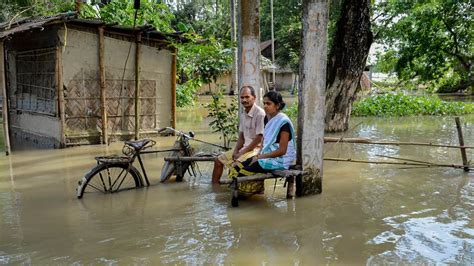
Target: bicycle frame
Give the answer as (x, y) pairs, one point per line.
(183, 140)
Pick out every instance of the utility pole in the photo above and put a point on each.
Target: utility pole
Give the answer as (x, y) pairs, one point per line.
(273, 46)
(233, 35)
(249, 42)
(311, 97)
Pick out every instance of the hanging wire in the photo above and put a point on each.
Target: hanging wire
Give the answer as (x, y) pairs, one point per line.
(119, 111)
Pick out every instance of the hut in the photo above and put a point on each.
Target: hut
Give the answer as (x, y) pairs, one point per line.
(285, 78)
(71, 81)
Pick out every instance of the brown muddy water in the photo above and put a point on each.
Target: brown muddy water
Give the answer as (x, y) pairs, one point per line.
(367, 214)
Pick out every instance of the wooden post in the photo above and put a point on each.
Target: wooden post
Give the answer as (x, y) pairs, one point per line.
(3, 85)
(103, 102)
(173, 88)
(311, 97)
(60, 90)
(137, 85)
(461, 143)
(249, 70)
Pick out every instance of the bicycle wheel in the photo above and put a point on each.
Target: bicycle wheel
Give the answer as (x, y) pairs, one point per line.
(109, 178)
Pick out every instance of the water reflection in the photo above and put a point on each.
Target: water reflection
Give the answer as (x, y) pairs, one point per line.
(367, 214)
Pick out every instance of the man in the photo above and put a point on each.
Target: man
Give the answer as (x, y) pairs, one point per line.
(250, 138)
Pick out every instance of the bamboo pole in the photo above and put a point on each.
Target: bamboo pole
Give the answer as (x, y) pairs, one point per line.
(395, 163)
(395, 143)
(403, 159)
(137, 85)
(60, 90)
(173, 88)
(103, 107)
(461, 143)
(6, 128)
(191, 159)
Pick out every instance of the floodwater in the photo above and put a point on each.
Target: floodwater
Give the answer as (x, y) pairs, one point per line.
(367, 214)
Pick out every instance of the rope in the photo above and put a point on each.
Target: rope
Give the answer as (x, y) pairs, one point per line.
(123, 77)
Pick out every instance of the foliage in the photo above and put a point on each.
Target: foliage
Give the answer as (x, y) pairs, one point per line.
(150, 13)
(208, 18)
(204, 60)
(429, 40)
(207, 53)
(20, 8)
(225, 118)
(292, 113)
(199, 62)
(405, 105)
(448, 83)
(287, 27)
(186, 92)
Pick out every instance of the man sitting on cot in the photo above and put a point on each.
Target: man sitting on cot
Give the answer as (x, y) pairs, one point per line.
(249, 142)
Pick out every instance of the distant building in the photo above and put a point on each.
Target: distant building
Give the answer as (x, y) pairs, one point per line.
(284, 77)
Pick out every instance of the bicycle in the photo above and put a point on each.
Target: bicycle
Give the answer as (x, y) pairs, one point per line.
(117, 173)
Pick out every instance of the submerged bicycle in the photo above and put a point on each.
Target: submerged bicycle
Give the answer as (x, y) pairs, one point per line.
(117, 173)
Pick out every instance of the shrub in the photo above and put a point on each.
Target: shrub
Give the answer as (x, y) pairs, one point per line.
(404, 105)
(225, 118)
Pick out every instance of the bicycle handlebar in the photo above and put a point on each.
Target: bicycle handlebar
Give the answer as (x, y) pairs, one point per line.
(180, 133)
(190, 136)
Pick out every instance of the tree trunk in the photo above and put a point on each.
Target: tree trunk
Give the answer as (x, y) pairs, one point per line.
(346, 64)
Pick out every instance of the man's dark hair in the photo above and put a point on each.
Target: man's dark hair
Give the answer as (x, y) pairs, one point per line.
(251, 89)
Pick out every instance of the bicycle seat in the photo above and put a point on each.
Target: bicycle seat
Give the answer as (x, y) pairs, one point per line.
(139, 144)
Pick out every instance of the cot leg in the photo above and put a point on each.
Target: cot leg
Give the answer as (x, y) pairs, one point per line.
(290, 189)
(235, 193)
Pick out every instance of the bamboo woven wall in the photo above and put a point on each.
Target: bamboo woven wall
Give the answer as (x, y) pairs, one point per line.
(80, 62)
(82, 97)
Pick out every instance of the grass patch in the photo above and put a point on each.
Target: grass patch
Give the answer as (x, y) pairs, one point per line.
(403, 105)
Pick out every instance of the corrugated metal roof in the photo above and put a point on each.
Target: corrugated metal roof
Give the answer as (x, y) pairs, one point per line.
(25, 24)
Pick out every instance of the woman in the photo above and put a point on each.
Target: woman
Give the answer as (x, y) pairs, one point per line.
(278, 151)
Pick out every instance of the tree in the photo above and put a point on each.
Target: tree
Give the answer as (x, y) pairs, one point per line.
(430, 41)
(349, 40)
(21, 8)
(346, 62)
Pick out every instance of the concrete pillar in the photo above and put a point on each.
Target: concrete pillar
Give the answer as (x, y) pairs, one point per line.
(311, 97)
(249, 42)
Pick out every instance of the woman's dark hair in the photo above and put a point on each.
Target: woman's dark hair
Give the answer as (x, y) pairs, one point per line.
(276, 98)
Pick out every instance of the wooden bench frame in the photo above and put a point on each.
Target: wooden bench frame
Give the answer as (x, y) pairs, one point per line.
(291, 177)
